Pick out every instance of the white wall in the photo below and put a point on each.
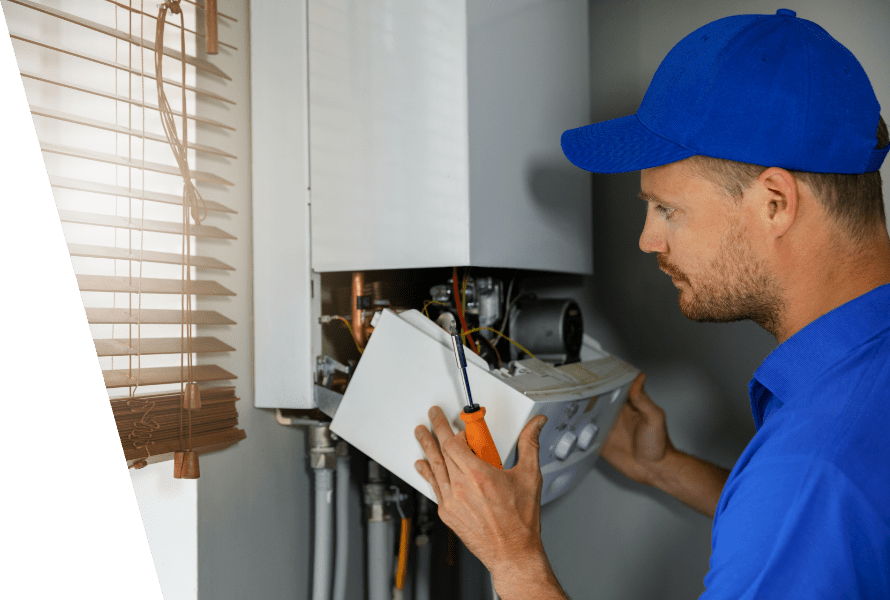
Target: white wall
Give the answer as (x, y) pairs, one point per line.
(169, 509)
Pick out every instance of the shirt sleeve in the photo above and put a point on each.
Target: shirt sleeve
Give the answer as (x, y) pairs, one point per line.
(795, 527)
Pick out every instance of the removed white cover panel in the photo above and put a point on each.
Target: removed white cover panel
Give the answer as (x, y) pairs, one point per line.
(402, 374)
(409, 366)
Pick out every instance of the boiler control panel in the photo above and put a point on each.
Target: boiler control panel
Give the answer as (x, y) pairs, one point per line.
(408, 366)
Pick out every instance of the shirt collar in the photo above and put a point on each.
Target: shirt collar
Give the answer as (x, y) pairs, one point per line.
(822, 343)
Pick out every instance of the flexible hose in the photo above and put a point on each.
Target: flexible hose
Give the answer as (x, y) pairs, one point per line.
(390, 556)
(341, 574)
(379, 575)
(324, 534)
(422, 583)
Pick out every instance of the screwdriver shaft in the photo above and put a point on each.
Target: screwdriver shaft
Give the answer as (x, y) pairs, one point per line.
(478, 436)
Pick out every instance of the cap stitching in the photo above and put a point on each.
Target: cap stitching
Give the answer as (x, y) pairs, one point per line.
(655, 133)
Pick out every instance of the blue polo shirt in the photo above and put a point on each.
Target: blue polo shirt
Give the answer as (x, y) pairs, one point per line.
(805, 512)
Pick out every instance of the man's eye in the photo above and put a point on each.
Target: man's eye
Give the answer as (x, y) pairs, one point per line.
(664, 211)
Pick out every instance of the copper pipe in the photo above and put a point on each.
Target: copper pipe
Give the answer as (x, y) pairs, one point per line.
(358, 289)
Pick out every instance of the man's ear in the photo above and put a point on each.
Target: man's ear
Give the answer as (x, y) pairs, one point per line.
(778, 196)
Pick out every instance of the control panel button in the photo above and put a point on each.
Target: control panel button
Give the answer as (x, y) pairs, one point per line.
(559, 484)
(565, 445)
(585, 437)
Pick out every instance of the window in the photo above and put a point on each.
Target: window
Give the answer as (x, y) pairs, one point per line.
(88, 67)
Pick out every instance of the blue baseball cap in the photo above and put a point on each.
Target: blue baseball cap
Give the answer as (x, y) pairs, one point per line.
(771, 90)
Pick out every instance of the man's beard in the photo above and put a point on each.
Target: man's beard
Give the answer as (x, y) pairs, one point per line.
(735, 287)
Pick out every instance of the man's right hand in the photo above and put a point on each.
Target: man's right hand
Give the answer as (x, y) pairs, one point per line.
(639, 447)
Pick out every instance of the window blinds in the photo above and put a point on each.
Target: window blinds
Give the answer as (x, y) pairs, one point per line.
(88, 68)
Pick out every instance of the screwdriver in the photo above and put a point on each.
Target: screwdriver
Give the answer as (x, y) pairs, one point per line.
(478, 436)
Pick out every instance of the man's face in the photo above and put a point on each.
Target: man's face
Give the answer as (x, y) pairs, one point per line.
(703, 242)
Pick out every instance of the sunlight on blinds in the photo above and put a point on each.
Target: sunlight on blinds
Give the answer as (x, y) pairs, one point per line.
(89, 73)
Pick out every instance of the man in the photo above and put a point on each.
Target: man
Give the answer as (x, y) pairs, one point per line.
(756, 142)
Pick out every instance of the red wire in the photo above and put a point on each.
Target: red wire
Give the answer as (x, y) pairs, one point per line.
(460, 310)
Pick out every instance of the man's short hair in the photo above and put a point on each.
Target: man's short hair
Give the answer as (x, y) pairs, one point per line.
(854, 202)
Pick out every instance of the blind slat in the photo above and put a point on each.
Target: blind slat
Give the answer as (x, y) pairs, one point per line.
(78, 125)
(132, 163)
(216, 416)
(120, 405)
(117, 65)
(70, 216)
(212, 442)
(202, 262)
(78, 120)
(120, 98)
(152, 316)
(160, 375)
(135, 41)
(148, 346)
(117, 190)
(203, 423)
(128, 285)
(213, 424)
(169, 23)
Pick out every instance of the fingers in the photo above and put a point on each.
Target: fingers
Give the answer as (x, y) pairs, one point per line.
(529, 444)
(636, 388)
(618, 447)
(423, 467)
(617, 443)
(638, 399)
(452, 456)
(433, 469)
(454, 446)
(441, 427)
(440, 461)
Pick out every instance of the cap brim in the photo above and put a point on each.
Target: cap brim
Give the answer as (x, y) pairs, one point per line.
(619, 146)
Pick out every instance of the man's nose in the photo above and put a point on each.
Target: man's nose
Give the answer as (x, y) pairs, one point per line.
(652, 238)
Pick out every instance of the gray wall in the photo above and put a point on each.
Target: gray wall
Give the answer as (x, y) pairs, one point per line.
(249, 496)
(611, 538)
(608, 538)
(254, 509)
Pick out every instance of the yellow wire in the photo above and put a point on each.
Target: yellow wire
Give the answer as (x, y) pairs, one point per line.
(360, 349)
(500, 334)
(426, 307)
(463, 335)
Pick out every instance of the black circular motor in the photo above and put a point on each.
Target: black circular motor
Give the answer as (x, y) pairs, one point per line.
(550, 328)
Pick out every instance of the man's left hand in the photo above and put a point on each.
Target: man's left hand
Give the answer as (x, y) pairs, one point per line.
(496, 512)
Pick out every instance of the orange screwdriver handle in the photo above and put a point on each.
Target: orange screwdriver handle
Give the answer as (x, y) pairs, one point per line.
(479, 438)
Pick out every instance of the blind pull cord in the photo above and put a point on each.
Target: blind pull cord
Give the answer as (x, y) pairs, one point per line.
(185, 462)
